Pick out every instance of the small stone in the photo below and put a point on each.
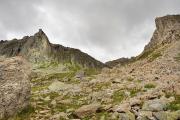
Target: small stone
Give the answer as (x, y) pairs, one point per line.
(145, 115)
(160, 115)
(134, 102)
(53, 102)
(47, 98)
(59, 116)
(122, 108)
(43, 111)
(70, 110)
(126, 116)
(115, 116)
(80, 74)
(65, 102)
(57, 86)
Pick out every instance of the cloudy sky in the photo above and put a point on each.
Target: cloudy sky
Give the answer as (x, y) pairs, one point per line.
(105, 29)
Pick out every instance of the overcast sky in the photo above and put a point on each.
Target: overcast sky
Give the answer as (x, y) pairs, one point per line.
(105, 29)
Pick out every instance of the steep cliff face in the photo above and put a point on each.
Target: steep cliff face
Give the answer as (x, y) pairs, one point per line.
(148, 87)
(37, 48)
(167, 29)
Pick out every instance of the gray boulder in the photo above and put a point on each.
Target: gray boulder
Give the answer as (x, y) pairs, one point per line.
(14, 86)
(155, 105)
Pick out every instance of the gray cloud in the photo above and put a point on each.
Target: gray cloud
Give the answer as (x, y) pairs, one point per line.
(105, 29)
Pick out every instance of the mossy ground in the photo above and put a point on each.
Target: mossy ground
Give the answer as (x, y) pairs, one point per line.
(175, 105)
(154, 56)
(25, 113)
(42, 81)
(133, 92)
(177, 58)
(149, 86)
(118, 96)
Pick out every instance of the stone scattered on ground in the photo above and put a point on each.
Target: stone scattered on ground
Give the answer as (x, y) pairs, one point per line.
(147, 88)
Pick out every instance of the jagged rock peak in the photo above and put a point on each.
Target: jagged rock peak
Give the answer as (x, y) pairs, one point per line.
(167, 30)
(40, 33)
(37, 48)
(167, 21)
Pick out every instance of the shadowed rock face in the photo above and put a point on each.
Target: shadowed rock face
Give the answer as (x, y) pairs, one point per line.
(14, 86)
(37, 48)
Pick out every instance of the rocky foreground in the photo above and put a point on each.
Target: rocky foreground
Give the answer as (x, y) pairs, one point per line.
(146, 88)
(14, 86)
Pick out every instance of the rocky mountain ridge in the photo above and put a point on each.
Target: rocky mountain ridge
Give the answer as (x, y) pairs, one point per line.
(167, 28)
(37, 49)
(146, 88)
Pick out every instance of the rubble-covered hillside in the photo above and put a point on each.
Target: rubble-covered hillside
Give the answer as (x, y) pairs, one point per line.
(146, 88)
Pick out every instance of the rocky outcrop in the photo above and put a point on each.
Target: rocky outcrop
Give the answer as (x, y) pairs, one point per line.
(37, 48)
(14, 86)
(167, 30)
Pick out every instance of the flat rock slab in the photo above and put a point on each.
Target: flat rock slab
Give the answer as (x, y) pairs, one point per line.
(87, 110)
(155, 105)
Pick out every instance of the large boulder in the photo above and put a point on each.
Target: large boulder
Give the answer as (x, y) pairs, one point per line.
(155, 105)
(14, 86)
(87, 110)
(167, 115)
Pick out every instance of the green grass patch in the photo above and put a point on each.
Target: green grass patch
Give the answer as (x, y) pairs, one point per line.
(154, 56)
(44, 65)
(102, 115)
(38, 88)
(100, 86)
(177, 58)
(64, 107)
(91, 71)
(130, 79)
(118, 96)
(139, 81)
(56, 76)
(73, 67)
(175, 105)
(52, 95)
(133, 92)
(25, 113)
(145, 55)
(149, 86)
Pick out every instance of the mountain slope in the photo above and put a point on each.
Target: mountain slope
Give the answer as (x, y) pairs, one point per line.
(146, 88)
(149, 87)
(166, 29)
(37, 49)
